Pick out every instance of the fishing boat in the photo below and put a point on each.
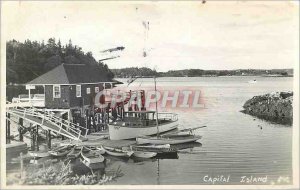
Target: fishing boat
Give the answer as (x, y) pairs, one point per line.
(136, 123)
(60, 151)
(92, 158)
(118, 152)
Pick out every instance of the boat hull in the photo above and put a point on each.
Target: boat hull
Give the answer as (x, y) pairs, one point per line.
(119, 153)
(37, 154)
(158, 141)
(141, 154)
(122, 132)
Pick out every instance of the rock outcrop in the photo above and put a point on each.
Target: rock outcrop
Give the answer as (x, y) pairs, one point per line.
(276, 107)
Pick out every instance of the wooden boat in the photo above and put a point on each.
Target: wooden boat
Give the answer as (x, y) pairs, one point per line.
(137, 123)
(142, 154)
(100, 150)
(118, 152)
(139, 153)
(173, 139)
(152, 146)
(92, 158)
(60, 151)
(38, 154)
(75, 153)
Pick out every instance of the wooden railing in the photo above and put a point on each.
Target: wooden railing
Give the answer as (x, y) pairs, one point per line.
(59, 125)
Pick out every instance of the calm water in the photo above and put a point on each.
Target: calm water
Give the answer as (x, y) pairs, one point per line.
(232, 144)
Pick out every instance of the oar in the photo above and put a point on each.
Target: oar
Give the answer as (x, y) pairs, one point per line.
(192, 129)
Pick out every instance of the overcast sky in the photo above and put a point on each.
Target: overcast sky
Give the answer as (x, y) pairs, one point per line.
(182, 35)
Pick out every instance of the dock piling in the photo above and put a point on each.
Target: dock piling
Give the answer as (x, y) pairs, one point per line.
(8, 129)
(21, 165)
(20, 129)
(48, 136)
(37, 137)
(32, 137)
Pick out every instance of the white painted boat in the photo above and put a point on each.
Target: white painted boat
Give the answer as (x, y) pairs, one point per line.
(137, 123)
(252, 81)
(142, 154)
(60, 151)
(38, 154)
(118, 152)
(152, 146)
(91, 158)
(101, 150)
(167, 140)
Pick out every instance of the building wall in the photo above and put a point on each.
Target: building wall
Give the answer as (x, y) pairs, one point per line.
(68, 96)
(85, 99)
(57, 103)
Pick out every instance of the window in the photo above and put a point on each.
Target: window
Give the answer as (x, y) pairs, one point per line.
(78, 90)
(88, 90)
(97, 89)
(56, 91)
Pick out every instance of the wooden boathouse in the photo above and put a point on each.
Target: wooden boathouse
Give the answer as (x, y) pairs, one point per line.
(72, 86)
(71, 89)
(66, 106)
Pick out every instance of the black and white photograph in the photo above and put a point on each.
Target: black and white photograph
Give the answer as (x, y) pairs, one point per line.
(150, 94)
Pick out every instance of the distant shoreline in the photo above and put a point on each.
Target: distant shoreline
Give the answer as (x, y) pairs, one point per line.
(144, 72)
(275, 76)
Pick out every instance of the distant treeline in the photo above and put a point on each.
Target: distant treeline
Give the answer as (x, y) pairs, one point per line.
(30, 59)
(143, 71)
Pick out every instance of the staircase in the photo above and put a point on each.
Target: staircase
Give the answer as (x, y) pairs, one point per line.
(49, 122)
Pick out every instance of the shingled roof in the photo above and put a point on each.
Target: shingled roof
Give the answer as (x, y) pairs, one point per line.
(72, 74)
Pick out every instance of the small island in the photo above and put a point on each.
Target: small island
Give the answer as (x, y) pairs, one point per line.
(276, 107)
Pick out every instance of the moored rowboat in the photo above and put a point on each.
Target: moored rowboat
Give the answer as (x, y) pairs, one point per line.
(60, 151)
(38, 154)
(117, 152)
(75, 153)
(142, 154)
(174, 139)
(152, 146)
(92, 158)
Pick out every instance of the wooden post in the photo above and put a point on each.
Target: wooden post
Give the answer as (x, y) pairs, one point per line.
(63, 117)
(8, 129)
(20, 129)
(37, 137)
(107, 112)
(94, 121)
(32, 135)
(49, 139)
(102, 115)
(21, 165)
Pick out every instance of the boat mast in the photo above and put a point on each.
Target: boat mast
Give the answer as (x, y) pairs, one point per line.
(156, 105)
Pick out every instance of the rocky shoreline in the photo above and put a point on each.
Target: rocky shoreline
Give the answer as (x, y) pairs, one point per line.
(276, 107)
